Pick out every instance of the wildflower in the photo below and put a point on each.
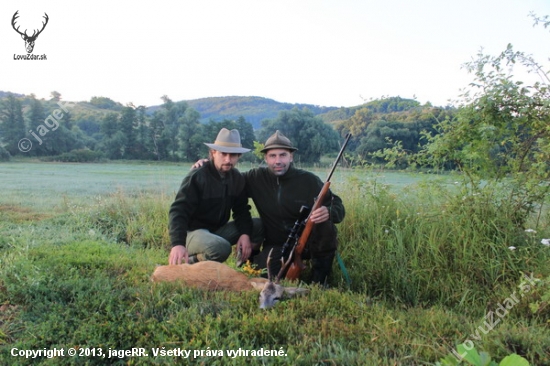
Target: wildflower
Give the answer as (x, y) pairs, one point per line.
(512, 247)
(250, 269)
(530, 231)
(545, 242)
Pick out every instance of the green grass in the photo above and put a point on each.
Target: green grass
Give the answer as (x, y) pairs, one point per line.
(78, 244)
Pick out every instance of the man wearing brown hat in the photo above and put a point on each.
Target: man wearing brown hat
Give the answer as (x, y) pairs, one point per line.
(279, 191)
(199, 216)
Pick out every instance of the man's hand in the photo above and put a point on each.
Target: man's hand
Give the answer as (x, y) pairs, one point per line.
(199, 163)
(320, 215)
(244, 247)
(178, 254)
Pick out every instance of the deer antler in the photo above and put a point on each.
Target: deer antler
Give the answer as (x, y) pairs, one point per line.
(43, 26)
(284, 266)
(34, 34)
(15, 16)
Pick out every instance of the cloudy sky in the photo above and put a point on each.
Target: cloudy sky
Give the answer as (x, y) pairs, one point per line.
(322, 52)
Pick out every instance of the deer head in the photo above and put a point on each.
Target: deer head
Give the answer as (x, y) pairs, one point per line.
(272, 292)
(29, 40)
(210, 275)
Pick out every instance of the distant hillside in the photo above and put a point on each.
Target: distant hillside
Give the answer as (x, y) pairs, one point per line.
(253, 109)
(4, 94)
(381, 106)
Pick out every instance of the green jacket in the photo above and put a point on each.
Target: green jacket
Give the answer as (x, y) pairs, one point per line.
(205, 201)
(279, 199)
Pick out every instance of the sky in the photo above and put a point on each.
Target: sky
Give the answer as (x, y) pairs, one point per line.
(338, 53)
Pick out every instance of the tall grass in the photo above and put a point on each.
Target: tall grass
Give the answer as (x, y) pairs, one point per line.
(429, 244)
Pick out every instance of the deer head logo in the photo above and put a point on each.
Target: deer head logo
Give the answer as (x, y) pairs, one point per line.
(29, 40)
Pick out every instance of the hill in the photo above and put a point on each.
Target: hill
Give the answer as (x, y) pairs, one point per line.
(253, 109)
(4, 94)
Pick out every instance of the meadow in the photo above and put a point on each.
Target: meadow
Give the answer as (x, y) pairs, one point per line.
(436, 277)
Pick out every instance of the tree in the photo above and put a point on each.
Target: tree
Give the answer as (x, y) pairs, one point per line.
(4, 154)
(105, 103)
(55, 96)
(114, 147)
(60, 140)
(501, 131)
(308, 133)
(109, 125)
(172, 116)
(12, 124)
(159, 137)
(190, 135)
(36, 113)
(356, 125)
(128, 126)
(246, 131)
(36, 117)
(144, 142)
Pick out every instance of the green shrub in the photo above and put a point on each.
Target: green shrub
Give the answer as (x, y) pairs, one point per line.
(77, 156)
(4, 154)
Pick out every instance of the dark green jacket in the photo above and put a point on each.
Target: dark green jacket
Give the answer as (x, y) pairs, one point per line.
(279, 199)
(205, 201)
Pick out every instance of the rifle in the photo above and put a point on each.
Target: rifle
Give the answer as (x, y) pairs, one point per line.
(295, 233)
(297, 266)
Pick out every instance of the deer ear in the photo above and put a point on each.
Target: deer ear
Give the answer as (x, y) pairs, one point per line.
(296, 291)
(258, 283)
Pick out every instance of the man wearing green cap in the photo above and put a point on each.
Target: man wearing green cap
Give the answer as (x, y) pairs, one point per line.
(279, 191)
(199, 216)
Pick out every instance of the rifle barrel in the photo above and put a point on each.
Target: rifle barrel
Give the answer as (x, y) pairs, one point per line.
(339, 156)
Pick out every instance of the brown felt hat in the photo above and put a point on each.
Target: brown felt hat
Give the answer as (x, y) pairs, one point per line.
(228, 142)
(278, 141)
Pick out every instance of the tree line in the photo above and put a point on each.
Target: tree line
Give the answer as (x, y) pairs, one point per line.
(174, 131)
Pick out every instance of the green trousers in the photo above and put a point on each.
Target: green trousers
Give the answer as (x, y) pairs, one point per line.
(203, 245)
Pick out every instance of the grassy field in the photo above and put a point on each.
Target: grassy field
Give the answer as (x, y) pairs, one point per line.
(46, 184)
(433, 277)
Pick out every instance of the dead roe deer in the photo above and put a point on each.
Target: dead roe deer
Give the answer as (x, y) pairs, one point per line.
(210, 275)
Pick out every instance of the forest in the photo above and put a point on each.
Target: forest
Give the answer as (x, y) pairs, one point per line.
(102, 129)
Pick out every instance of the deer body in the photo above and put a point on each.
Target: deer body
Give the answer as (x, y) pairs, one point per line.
(210, 275)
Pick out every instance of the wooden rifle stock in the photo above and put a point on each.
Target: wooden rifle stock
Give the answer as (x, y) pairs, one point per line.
(297, 266)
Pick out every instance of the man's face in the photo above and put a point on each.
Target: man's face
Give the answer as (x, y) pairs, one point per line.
(224, 162)
(278, 161)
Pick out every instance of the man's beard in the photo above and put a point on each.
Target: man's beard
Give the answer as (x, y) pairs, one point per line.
(279, 169)
(225, 168)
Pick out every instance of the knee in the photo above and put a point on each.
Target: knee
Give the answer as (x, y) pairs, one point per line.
(218, 253)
